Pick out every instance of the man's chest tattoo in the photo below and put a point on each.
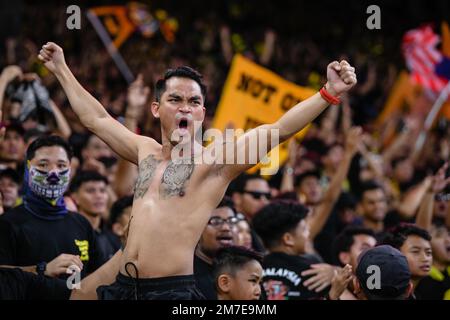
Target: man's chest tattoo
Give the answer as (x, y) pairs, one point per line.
(147, 169)
(173, 179)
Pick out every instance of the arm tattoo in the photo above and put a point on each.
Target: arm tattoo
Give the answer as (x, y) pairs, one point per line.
(174, 179)
(146, 171)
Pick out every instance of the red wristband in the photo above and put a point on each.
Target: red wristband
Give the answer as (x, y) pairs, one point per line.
(328, 97)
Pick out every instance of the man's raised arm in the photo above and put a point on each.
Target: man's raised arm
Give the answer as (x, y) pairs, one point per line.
(341, 78)
(91, 113)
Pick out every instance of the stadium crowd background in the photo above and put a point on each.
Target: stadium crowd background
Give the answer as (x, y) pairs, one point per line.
(295, 39)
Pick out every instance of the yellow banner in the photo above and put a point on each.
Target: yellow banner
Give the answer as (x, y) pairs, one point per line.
(254, 95)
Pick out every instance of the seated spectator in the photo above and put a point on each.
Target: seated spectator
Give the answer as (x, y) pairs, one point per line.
(88, 190)
(220, 231)
(414, 243)
(41, 235)
(237, 274)
(284, 232)
(97, 155)
(346, 211)
(120, 217)
(372, 206)
(436, 286)
(348, 246)
(9, 188)
(391, 278)
(12, 148)
(244, 232)
(250, 192)
(309, 190)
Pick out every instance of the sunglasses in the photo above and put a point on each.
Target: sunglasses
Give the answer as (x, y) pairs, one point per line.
(218, 221)
(258, 195)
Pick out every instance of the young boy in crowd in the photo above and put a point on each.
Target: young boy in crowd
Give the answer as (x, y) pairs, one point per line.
(414, 243)
(238, 274)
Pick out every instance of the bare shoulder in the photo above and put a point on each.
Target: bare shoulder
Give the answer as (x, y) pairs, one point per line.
(148, 146)
(217, 159)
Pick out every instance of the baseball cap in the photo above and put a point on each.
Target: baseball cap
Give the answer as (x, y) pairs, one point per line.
(394, 271)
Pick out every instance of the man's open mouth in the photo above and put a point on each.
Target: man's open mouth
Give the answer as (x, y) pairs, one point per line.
(183, 124)
(225, 240)
(425, 268)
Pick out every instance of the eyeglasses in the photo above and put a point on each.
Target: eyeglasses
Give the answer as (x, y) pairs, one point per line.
(218, 221)
(258, 195)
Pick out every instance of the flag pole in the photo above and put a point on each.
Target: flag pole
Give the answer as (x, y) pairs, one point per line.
(112, 50)
(437, 106)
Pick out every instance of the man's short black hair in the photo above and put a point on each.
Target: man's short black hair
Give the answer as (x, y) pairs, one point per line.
(328, 148)
(397, 236)
(83, 177)
(34, 133)
(239, 184)
(231, 259)
(368, 186)
(48, 141)
(227, 202)
(118, 208)
(16, 127)
(11, 174)
(180, 72)
(310, 173)
(277, 218)
(346, 201)
(344, 241)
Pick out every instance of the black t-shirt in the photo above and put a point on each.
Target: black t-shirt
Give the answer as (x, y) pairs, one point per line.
(282, 277)
(16, 284)
(204, 278)
(257, 244)
(434, 287)
(107, 242)
(26, 240)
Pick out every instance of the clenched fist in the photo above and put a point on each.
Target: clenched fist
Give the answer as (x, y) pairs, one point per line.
(52, 56)
(341, 77)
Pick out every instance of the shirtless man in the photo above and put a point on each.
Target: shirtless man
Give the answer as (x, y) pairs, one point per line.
(172, 200)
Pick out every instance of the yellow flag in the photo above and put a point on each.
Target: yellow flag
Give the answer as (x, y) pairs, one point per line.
(253, 96)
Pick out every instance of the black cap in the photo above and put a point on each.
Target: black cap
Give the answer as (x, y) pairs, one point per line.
(394, 271)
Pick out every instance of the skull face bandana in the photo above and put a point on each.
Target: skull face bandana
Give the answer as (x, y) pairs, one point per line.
(49, 185)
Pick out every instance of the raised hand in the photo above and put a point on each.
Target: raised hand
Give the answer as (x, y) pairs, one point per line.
(353, 140)
(10, 73)
(321, 276)
(137, 97)
(340, 282)
(439, 181)
(52, 56)
(293, 149)
(341, 77)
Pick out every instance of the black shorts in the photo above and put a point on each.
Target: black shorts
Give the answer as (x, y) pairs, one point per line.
(167, 288)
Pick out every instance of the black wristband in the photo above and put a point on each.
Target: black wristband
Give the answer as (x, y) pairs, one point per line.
(40, 268)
